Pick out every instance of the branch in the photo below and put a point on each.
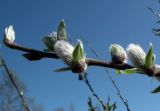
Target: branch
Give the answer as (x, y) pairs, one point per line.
(33, 55)
(96, 62)
(9, 73)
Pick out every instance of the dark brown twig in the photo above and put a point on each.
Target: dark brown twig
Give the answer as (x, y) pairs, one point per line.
(96, 62)
(33, 55)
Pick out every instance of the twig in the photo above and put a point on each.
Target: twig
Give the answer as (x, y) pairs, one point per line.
(85, 79)
(125, 102)
(154, 12)
(91, 107)
(10, 75)
(33, 55)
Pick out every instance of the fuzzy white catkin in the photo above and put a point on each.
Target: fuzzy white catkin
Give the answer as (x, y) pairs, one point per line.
(64, 51)
(9, 33)
(136, 55)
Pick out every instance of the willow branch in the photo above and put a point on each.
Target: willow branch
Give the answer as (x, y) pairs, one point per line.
(32, 55)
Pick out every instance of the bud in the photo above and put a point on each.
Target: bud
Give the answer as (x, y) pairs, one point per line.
(150, 57)
(118, 54)
(9, 33)
(49, 41)
(64, 51)
(136, 55)
(78, 53)
(74, 57)
(78, 58)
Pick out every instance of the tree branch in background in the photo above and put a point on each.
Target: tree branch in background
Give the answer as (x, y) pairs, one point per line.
(125, 102)
(85, 79)
(11, 77)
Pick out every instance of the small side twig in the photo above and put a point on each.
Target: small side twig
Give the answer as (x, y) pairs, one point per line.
(90, 105)
(154, 12)
(10, 75)
(125, 102)
(85, 79)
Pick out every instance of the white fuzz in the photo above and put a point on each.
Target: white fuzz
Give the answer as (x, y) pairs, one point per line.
(157, 67)
(64, 51)
(81, 44)
(53, 34)
(136, 55)
(117, 50)
(9, 33)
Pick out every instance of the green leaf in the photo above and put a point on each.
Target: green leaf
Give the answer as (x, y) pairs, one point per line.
(149, 60)
(129, 71)
(78, 53)
(63, 69)
(62, 33)
(49, 42)
(156, 90)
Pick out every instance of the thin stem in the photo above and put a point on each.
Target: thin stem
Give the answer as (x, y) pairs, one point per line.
(85, 79)
(125, 102)
(10, 75)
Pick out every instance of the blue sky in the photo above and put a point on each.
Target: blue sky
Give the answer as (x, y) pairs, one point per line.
(101, 22)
